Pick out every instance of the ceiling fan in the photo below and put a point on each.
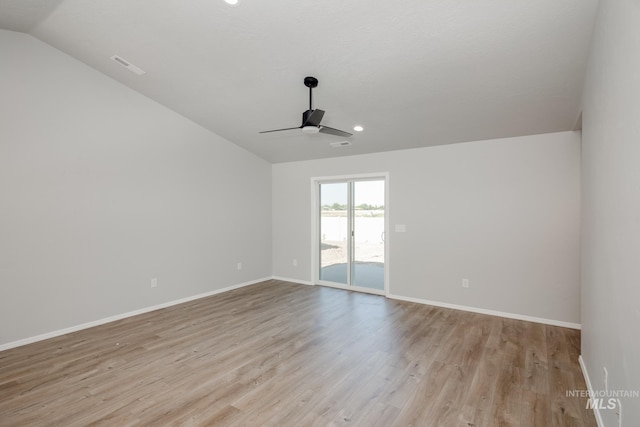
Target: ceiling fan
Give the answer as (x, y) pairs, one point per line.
(311, 118)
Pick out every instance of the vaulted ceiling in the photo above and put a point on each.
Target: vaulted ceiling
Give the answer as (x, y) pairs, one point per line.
(413, 73)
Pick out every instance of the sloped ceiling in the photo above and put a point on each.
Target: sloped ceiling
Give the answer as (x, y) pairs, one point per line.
(414, 73)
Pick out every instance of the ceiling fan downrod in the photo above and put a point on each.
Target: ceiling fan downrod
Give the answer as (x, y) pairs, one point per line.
(310, 82)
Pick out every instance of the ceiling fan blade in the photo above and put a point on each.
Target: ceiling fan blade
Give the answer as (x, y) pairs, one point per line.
(312, 118)
(332, 131)
(278, 130)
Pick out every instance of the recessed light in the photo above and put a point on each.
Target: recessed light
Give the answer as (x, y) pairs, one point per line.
(358, 128)
(231, 2)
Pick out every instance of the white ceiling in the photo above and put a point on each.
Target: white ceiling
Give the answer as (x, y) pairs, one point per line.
(414, 73)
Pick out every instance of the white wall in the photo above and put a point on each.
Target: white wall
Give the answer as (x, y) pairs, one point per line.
(611, 207)
(102, 189)
(503, 213)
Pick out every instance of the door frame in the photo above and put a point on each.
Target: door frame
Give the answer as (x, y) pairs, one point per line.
(315, 228)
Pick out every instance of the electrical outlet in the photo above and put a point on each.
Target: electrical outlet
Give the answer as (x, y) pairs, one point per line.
(295, 262)
(239, 266)
(154, 283)
(465, 283)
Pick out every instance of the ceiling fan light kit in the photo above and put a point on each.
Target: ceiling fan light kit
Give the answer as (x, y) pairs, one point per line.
(310, 130)
(311, 118)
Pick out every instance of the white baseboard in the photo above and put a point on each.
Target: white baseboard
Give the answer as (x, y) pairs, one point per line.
(596, 410)
(298, 281)
(489, 312)
(462, 307)
(87, 325)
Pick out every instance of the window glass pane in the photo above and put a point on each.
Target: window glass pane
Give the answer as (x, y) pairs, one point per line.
(333, 232)
(368, 235)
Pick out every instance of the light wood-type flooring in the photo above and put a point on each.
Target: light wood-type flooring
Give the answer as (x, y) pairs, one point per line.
(281, 354)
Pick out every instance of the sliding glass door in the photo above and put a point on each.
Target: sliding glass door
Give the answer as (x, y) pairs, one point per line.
(351, 240)
(367, 266)
(334, 232)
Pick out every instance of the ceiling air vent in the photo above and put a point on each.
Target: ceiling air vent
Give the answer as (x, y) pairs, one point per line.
(339, 144)
(128, 65)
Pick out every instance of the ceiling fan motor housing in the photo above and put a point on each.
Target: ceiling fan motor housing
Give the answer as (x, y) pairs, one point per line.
(305, 115)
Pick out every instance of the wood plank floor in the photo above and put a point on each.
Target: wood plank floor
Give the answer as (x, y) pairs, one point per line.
(281, 354)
